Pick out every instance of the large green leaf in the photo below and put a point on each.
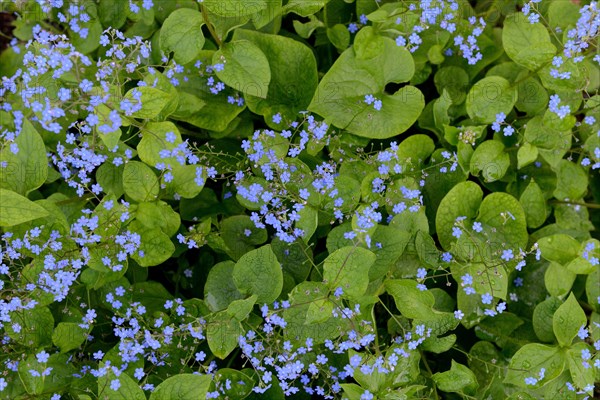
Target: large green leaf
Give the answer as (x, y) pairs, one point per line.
(530, 359)
(182, 387)
(560, 248)
(534, 204)
(181, 33)
(527, 44)
(463, 200)
(348, 268)
(68, 336)
(300, 325)
(220, 289)
(491, 160)
(258, 272)
(235, 8)
(153, 101)
(365, 69)
(458, 379)
(542, 319)
(158, 215)
(28, 169)
(246, 68)
(567, 321)
(140, 182)
(490, 96)
(155, 248)
(222, 333)
(294, 75)
(410, 301)
(572, 181)
(504, 213)
(16, 209)
(128, 389)
(36, 327)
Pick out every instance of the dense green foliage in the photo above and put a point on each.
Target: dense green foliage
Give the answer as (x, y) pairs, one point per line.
(344, 199)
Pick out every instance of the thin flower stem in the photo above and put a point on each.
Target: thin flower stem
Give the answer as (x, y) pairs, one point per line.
(210, 26)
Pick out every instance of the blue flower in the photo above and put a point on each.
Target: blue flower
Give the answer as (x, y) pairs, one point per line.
(42, 357)
(456, 232)
(115, 384)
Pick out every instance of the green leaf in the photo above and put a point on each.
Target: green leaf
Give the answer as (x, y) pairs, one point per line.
(220, 289)
(339, 36)
(112, 13)
(258, 272)
(493, 280)
(462, 200)
(577, 81)
(498, 328)
(217, 113)
(560, 248)
(140, 182)
(128, 389)
(236, 384)
(352, 391)
(552, 142)
(319, 311)
(581, 375)
(235, 8)
(527, 44)
(490, 96)
(410, 301)
(28, 169)
(156, 246)
(533, 97)
(233, 231)
(68, 336)
(110, 177)
(305, 30)
(153, 101)
(572, 181)
(16, 209)
(558, 279)
(309, 220)
(182, 387)
(530, 359)
(158, 215)
(534, 204)
(246, 68)
(182, 33)
(458, 379)
(592, 289)
(152, 295)
(304, 8)
(298, 327)
(454, 80)
(187, 106)
(542, 319)
(526, 155)
(222, 333)
(361, 71)
(491, 160)
(567, 321)
(240, 309)
(503, 212)
(562, 14)
(36, 327)
(393, 242)
(294, 76)
(348, 268)
(415, 149)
